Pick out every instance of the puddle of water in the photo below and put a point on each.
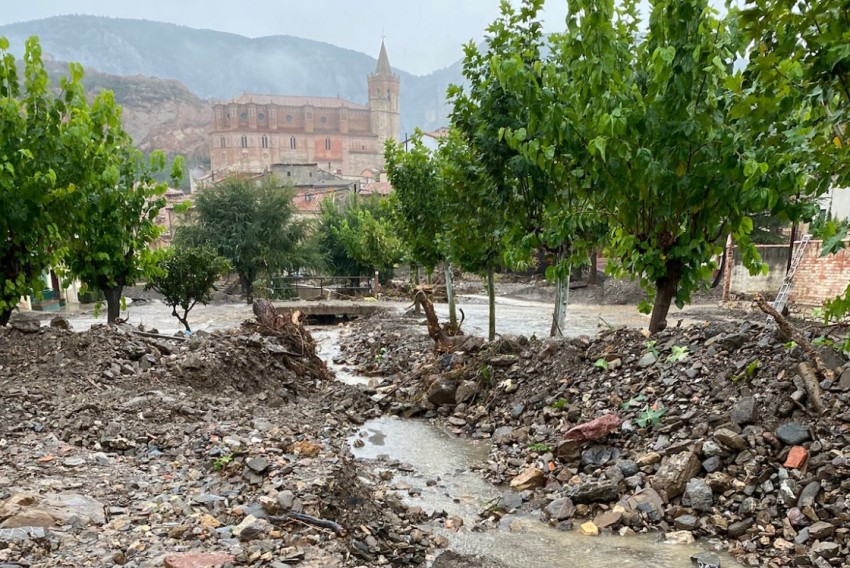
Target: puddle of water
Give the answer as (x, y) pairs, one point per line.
(443, 480)
(327, 347)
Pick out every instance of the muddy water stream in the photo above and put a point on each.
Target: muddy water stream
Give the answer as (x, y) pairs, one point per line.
(439, 475)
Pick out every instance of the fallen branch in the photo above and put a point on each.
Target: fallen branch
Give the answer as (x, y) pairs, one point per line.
(310, 520)
(806, 372)
(159, 335)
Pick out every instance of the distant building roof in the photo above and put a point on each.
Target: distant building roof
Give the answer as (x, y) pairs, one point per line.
(383, 66)
(297, 101)
(379, 187)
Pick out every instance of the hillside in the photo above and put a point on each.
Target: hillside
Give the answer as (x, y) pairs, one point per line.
(221, 65)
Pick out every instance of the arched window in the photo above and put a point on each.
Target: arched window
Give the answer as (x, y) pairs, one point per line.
(223, 141)
(327, 143)
(292, 144)
(244, 141)
(265, 141)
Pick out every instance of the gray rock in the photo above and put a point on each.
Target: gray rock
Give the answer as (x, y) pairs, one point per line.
(706, 560)
(826, 549)
(628, 467)
(674, 474)
(285, 499)
(793, 434)
(591, 492)
(744, 411)
(60, 322)
(21, 534)
(649, 358)
(844, 381)
(466, 391)
(730, 439)
(698, 495)
(599, 455)
(511, 500)
(788, 491)
(560, 509)
(442, 391)
(25, 322)
(808, 495)
(258, 465)
(685, 522)
(712, 464)
(710, 448)
(821, 530)
(503, 435)
(738, 529)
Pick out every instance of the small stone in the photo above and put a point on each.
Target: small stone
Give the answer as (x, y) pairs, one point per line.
(821, 530)
(511, 500)
(442, 391)
(589, 529)
(698, 495)
(595, 492)
(826, 549)
(712, 464)
(198, 560)
(738, 529)
(808, 495)
(594, 429)
(744, 411)
(560, 509)
(258, 465)
(730, 439)
(531, 478)
(685, 522)
(706, 560)
(679, 537)
(628, 467)
(649, 358)
(608, 519)
(674, 474)
(796, 457)
(793, 434)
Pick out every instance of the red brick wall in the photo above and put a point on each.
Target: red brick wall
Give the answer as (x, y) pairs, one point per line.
(820, 278)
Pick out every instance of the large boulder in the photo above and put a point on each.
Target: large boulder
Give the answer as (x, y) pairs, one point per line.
(30, 510)
(442, 391)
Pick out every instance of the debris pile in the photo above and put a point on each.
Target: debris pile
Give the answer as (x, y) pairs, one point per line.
(709, 431)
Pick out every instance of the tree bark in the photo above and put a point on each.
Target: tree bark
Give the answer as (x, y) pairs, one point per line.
(417, 304)
(450, 294)
(5, 315)
(562, 297)
(247, 288)
(665, 291)
(593, 277)
(719, 278)
(491, 295)
(113, 303)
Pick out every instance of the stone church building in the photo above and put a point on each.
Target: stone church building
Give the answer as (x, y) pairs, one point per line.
(252, 132)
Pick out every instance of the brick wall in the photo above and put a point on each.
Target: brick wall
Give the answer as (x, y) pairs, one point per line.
(817, 278)
(820, 278)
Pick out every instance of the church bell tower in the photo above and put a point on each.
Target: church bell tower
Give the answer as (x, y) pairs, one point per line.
(383, 99)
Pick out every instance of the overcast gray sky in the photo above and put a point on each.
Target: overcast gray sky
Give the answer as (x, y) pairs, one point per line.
(421, 36)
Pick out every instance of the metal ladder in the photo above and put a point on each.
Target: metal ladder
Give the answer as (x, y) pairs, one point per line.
(785, 291)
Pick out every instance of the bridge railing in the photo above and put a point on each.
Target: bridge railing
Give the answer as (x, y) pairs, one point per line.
(320, 287)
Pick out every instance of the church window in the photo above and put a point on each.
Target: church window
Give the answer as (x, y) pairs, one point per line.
(288, 118)
(244, 141)
(292, 144)
(243, 117)
(261, 116)
(327, 143)
(265, 141)
(323, 120)
(222, 141)
(389, 96)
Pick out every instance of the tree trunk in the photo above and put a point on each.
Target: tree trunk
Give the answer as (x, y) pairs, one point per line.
(247, 288)
(450, 294)
(491, 295)
(562, 297)
(719, 278)
(183, 320)
(665, 291)
(593, 277)
(417, 304)
(791, 248)
(4, 317)
(113, 303)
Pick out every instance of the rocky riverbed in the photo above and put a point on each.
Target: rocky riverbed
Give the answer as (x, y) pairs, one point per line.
(228, 449)
(702, 432)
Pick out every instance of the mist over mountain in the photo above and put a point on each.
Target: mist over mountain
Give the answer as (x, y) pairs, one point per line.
(218, 65)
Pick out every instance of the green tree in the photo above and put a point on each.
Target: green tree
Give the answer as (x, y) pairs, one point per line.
(39, 136)
(418, 204)
(187, 276)
(332, 250)
(117, 203)
(367, 234)
(251, 225)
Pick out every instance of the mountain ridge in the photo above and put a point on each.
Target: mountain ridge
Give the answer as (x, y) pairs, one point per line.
(222, 65)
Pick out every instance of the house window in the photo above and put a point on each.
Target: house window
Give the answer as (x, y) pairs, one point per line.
(265, 141)
(308, 197)
(292, 144)
(288, 174)
(222, 142)
(244, 141)
(327, 143)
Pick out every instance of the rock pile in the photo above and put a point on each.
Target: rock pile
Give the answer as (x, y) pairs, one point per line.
(220, 450)
(705, 430)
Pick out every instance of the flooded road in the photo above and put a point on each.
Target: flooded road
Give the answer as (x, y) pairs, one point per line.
(442, 479)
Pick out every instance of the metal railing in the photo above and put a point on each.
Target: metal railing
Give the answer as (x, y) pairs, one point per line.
(320, 287)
